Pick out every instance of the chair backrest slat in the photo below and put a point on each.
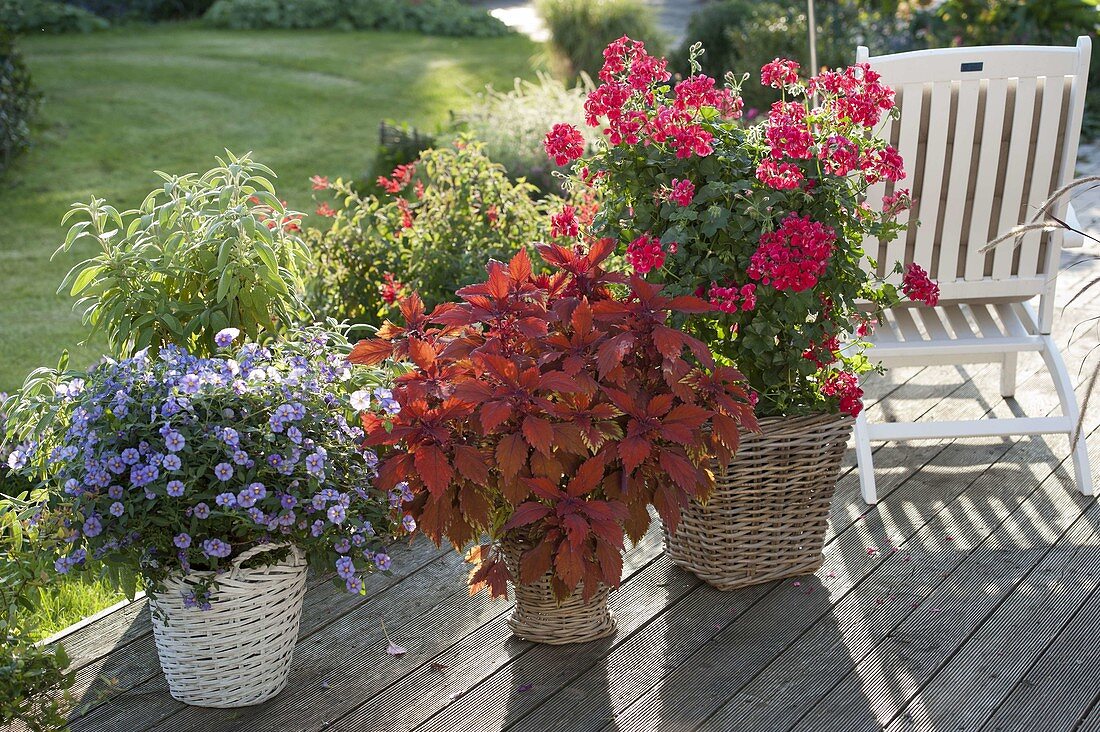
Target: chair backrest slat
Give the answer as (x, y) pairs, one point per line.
(986, 134)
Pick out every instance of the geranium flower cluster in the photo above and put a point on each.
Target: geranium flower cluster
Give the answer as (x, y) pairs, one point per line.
(770, 220)
(173, 465)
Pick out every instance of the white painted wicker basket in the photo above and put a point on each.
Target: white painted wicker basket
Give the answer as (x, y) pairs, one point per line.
(237, 653)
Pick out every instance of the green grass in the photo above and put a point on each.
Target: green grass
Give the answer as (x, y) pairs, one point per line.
(120, 104)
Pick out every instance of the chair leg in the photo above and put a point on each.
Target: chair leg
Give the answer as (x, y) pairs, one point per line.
(1008, 375)
(1062, 384)
(864, 461)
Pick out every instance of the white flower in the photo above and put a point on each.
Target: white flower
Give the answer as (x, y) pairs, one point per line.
(360, 400)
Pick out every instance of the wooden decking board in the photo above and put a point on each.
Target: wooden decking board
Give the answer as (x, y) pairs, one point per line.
(135, 662)
(977, 679)
(964, 602)
(1062, 686)
(644, 596)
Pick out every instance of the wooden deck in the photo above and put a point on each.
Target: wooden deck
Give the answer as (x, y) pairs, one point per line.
(968, 599)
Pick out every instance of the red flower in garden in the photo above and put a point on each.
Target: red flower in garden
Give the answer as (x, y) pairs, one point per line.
(839, 155)
(896, 202)
(793, 256)
(400, 178)
(845, 386)
(326, 210)
(565, 224)
(564, 143)
(884, 164)
(492, 213)
(683, 191)
(726, 299)
(918, 287)
(319, 182)
(645, 254)
(391, 289)
(779, 73)
(418, 190)
(406, 213)
(855, 94)
(780, 176)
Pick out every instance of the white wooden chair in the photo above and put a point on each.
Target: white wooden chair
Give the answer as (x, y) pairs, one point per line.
(987, 134)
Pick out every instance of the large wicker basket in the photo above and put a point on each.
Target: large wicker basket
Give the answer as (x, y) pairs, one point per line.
(238, 652)
(769, 512)
(539, 617)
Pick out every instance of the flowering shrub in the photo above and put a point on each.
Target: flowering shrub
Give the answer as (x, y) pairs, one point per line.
(176, 464)
(202, 253)
(579, 29)
(545, 408)
(431, 230)
(767, 222)
(18, 99)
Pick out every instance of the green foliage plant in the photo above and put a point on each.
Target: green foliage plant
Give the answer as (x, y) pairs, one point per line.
(47, 16)
(431, 232)
(200, 254)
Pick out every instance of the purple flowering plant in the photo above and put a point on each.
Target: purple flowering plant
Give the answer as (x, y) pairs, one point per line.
(168, 465)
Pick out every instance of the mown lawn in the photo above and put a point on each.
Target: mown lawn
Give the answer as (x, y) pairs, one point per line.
(119, 105)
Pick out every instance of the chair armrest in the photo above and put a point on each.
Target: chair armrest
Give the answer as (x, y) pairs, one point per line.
(1072, 239)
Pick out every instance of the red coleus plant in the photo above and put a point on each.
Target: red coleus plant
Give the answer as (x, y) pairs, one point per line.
(550, 410)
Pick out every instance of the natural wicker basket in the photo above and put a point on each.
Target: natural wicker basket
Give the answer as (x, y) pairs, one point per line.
(768, 514)
(238, 652)
(539, 617)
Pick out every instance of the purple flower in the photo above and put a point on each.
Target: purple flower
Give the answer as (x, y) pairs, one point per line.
(116, 465)
(226, 336)
(257, 516)
(294, 435)
(315, 464)
(382, 561)
(189, 384)
(172, 462)
(245, 499)
(223, 471)
(173, 442)
(130, 456)
(230, 436)
(117, 509)
(175, 488)
(360, 400)
(226, 499)
(409, 523)
(92, 526)
(288, 501)
(354, 585)
(216, 548)
(182, 541)
(344, 567)
(115, 492)
(337, 514)
(343, 546)
(240, 457)
(202, 511)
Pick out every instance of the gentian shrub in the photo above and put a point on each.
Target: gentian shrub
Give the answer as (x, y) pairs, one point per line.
(431, 230)
(766, 222)
(550, 409)
(202, 253)
(174, 464)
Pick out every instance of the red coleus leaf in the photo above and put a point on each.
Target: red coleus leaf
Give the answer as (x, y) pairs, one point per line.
(610, 559)
(679, 469)
(612, 352)
(539, 433)
(727, 430)
(576, 530)
(494, 414)
(421, 353)
(526, 514)
(569, 565)
(589, 476)
(491, 574)
(371, 352)
(471, 464)
(394, 470)
(544, 488)
(633, 451)
(511, 455)
(666, 499)
(433, 467)
(689, 304)
(536, 562)
(670, 343)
